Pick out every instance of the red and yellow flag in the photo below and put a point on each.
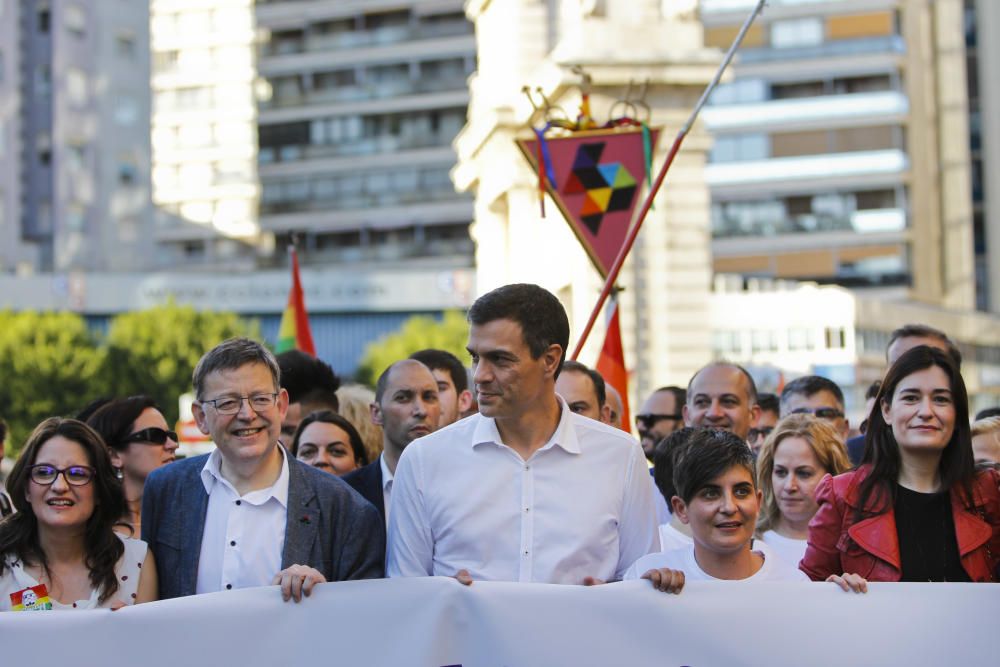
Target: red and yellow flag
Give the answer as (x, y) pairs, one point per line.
(294, 333)
(611, 363)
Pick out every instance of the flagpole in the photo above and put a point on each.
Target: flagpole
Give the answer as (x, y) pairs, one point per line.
(643, 212)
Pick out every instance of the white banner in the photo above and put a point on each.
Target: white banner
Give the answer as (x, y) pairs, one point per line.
(435, 622)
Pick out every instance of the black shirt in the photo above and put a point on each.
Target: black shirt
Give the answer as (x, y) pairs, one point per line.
(928, 548)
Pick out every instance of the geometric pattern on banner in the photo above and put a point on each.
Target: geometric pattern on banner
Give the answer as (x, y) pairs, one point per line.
(598, 174)
(607, 186)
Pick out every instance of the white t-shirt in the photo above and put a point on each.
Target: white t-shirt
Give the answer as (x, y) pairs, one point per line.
(128, 569)
(671, 538)
(789, 550)
(773, 569)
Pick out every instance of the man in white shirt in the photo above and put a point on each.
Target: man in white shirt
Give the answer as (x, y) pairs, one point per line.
(249, 514)
(526, 490)
(407, 406)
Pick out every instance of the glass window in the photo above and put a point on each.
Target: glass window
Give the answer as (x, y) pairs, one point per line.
(76, 20)
(797, 32)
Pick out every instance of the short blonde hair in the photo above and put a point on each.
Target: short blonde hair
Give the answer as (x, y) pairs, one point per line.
(825, 443)
(355, 400)
(984, 426)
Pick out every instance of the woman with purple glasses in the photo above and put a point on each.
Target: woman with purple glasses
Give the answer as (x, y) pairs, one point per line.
(138, 441)
(59, 550)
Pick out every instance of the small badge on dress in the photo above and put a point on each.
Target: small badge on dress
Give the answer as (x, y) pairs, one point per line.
(35, 598)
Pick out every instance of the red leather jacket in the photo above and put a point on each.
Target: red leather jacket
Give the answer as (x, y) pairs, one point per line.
(870, 547)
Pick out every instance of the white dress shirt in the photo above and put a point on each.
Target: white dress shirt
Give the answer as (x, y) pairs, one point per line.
(244, 535)
(386, 486)
(580, 506)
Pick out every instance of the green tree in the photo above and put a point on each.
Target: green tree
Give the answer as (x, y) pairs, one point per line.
(450, 333)
(50, 364)
(154, 351)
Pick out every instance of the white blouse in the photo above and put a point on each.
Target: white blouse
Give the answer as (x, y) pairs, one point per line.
(128, 569)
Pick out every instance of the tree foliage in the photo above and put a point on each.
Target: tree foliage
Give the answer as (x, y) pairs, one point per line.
(52, 364)
(419, 332)
(154, 351)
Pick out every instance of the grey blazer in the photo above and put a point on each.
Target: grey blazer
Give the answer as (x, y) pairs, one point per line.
(330, 526)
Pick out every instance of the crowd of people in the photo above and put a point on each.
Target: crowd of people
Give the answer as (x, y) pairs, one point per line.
(527, 476)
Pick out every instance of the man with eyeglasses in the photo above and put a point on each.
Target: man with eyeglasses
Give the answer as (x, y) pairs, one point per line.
(816, 395)
(659, 417)
(770, 412)
(249, 514)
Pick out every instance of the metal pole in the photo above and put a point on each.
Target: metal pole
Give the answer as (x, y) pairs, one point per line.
(644, 211)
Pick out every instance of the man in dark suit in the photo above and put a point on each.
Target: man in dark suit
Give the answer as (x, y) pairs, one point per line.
(248, 514)
(407, 407)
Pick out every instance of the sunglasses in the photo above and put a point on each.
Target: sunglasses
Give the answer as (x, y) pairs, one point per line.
(761, 432)
(152, 435)
(822, 413)
(647, 421)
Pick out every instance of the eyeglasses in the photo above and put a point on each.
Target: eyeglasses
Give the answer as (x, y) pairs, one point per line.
(649, 420)
(45, 475)
(822, 413)
(152, 435)
(759, 432)
(230, 405)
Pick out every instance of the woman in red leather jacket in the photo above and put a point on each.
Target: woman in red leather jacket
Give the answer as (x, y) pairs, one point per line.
(915, 509)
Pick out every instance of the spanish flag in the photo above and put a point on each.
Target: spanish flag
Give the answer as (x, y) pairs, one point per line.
(611, 363)
(294, 333)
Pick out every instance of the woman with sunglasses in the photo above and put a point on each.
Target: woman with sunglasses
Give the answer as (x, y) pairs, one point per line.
(916, 509)
(136, 434)
(59, 550)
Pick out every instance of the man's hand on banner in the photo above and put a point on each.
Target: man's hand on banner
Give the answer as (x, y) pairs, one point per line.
(666, 580)
(850, 582)
(296, 581)
(464, 577)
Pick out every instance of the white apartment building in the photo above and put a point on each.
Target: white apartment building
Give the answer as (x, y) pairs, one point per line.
(204, 131)
(365, 98)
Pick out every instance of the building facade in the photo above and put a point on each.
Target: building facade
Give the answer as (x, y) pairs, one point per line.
(204, 132)
(362, 102)
(841, 146)
(74, 136)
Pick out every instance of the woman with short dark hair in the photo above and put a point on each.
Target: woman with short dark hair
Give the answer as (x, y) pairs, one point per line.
(59, 550)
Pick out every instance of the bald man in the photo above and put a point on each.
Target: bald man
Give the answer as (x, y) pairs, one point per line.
(722, 396)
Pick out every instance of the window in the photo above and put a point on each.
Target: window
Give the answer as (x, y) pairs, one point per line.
(76, 86)
(126, 109)
(739, 148)
(125, 45)
(796, 33)
(44, 18)
(76, 20)
(43, 146)
(128, 173)
(835, 338)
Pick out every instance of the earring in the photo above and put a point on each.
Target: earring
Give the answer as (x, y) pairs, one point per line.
(119, 475)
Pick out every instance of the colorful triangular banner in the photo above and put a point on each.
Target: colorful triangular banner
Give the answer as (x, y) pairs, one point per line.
(596, 174)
